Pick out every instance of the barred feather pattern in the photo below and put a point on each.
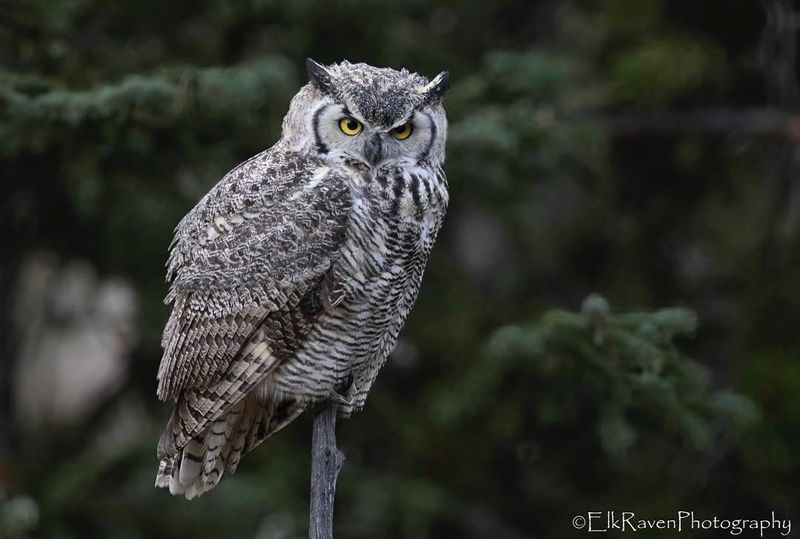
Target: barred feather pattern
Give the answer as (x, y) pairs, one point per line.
(292, 278)
(392, 231)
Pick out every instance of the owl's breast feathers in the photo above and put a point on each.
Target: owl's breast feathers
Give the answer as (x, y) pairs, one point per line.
(412, 193)
(392, 228)
(260, 272)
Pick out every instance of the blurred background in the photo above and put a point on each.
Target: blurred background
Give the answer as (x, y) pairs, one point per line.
(609, 321)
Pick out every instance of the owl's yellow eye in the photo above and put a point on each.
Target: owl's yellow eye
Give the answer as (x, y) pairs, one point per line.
(402, 132)
(350, 126)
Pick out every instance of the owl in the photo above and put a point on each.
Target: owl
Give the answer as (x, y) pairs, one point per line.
(292, 278)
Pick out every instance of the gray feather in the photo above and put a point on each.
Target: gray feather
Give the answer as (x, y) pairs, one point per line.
(292, 278)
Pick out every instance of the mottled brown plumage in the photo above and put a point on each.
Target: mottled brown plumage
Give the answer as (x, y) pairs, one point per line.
(292, 277)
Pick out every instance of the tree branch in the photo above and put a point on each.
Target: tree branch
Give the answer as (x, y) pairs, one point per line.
(326, 461)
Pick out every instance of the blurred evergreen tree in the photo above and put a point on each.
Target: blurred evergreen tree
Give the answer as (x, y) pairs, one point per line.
(497, 416)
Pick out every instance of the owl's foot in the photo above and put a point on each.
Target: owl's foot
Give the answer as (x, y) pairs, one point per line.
(340, 399)
(346, 405)
(331, 293)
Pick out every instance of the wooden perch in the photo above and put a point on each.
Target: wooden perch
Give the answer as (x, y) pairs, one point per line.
(326, 461)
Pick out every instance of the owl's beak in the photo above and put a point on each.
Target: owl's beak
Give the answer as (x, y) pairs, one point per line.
(373, 150)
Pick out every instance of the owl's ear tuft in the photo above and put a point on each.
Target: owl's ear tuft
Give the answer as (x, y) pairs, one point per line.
(435, 89)
(319, 76)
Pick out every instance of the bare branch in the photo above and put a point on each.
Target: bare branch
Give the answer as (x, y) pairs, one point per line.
(326, 461)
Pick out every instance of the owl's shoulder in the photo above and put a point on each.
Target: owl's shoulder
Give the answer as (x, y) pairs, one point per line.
(268, 182)
(264, 179)
(268, 206)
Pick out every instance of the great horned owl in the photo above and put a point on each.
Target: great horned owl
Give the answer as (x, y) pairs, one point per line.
(293, 276)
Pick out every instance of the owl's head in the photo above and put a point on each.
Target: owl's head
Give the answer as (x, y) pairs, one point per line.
(369, 116)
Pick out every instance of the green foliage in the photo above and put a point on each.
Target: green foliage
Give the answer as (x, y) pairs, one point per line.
(630, 19)
(31, 108)
(657, 72)
(628, 363)
(503, 413)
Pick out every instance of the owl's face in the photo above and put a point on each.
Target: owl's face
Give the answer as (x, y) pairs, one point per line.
(367, 116)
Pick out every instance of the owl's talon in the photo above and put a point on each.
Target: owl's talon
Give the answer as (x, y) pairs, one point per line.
(340, 400)
(338, 296)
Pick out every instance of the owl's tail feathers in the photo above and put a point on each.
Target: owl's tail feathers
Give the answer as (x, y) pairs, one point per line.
(200, 464)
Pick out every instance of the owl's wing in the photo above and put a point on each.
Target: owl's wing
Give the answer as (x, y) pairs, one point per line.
(258, 243)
